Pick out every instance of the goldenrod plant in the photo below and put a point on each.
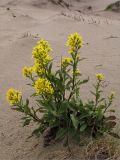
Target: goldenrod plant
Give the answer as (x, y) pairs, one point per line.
(58, 96)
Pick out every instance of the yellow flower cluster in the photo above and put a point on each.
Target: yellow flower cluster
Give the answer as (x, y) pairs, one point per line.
(74, 42)
(66, 61)
(77, 72)
(78, 56)
(41, 52)
(100, 76)
(43, 86)
(13, 96)
(41, 55)
(38, 68)
(27, 71)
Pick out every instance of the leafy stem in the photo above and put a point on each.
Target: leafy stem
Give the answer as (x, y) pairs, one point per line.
(75, 62)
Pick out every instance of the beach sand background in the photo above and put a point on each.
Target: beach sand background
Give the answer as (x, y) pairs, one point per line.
(22, 24)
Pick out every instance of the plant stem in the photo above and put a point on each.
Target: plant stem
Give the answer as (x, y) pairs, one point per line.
(68, 126)
(97, 94)
(110, 102)
(73, 80)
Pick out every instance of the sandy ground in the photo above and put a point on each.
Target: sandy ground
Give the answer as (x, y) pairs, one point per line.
(22, 23)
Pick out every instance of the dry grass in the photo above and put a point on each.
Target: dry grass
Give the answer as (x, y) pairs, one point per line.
(103, 149)
(106, 148)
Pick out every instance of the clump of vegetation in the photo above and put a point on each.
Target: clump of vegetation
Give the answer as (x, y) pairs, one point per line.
(114, 6)
(103, 149)
(58, 97)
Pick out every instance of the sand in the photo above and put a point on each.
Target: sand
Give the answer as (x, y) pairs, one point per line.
(22, 23)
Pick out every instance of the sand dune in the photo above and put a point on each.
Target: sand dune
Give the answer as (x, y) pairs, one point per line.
(22, 23)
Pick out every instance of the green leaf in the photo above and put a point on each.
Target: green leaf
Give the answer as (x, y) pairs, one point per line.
(26, 122)
(112, 110)
(101, 107)
(74, 121)
(18, 109)
(50, 67)
(84, 115)
(33, 95)
(27, 102)
(24, 118)
(83, 127)
(84, 81)
(30, 84)
(38, 131)
(61, 133)
(26, 109)
(68, 85)
(93, 93)
(60, 75)
(64, 106)
(47, 105)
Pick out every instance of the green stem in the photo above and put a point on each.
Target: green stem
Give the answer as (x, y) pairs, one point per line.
(74, 76)
(34, 116)
(68, 126)
(97, 94)
(109, 104)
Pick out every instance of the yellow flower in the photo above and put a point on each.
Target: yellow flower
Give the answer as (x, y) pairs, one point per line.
(13, 96)
(41, 51)
(74, 42)
(27, 71)
(44, 44)
(37, 68)
(78, 56)
(66, 61)
(77, 72)
(100, 76)
(43, 86)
